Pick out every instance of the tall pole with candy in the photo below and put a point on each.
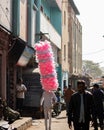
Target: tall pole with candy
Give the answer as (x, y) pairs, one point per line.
(46, 65)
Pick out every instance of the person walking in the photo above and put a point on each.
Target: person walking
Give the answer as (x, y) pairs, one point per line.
(81, 107)
(20, 94)
(67, 95)
(65, 88)
(98, 95)
(48, 99)
(59, 99)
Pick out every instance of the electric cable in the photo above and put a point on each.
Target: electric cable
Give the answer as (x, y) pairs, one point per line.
(91, 53)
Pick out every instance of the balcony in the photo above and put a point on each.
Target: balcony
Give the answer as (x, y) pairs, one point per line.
(55, 3)
(46, 27)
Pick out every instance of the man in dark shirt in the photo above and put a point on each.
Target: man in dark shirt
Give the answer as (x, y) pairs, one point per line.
(81, 108)
(98, 95)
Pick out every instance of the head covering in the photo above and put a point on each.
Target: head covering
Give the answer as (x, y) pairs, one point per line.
(69, 85)
(81, 83)
(96, 85)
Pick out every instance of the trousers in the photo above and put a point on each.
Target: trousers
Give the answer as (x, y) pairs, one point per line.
(48, 117)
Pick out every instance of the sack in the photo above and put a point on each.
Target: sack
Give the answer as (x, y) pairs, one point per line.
(10, 114)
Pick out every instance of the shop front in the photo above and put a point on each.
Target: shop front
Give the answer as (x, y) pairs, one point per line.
(4, 42)
(19, 55)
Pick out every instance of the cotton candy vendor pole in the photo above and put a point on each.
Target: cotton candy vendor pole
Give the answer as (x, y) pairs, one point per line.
(46, 65)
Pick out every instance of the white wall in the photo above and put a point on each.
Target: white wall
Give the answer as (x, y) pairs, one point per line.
(6, 13)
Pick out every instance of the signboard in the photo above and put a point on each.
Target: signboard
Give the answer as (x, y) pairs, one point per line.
(25, 57)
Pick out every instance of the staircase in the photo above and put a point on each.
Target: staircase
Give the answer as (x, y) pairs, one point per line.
(21, 124)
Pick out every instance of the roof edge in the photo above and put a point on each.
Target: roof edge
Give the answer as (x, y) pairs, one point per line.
(74, 7)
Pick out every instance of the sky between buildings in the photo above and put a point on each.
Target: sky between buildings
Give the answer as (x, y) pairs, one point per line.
(92, 20)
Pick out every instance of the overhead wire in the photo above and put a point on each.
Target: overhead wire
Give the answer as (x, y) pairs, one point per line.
(91, 53)
(96, 52)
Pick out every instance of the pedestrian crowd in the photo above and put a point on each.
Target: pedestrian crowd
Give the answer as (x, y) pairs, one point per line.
(82, 106)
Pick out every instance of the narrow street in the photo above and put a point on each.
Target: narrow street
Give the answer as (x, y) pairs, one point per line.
(58, 123)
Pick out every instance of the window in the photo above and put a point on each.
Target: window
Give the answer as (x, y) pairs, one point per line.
(64, 18)
(64, 52)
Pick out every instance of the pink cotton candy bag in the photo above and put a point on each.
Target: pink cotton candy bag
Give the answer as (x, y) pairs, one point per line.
(46, 65)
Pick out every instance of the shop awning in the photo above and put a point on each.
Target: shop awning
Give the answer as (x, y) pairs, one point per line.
(20, 52)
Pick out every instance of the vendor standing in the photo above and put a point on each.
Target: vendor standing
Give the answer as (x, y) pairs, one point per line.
(20, 94)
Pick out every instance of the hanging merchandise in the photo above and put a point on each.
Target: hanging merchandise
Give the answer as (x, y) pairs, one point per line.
(46, 65)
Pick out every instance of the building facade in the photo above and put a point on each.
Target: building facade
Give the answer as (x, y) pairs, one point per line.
(65, 44)
(16, 44)
(49, 21)
(75, 43)
(71, 41)
(24, 23)
(5, 30)
(48, 27)
(75, 36)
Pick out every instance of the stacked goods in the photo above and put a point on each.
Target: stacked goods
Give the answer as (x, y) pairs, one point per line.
(46, 65)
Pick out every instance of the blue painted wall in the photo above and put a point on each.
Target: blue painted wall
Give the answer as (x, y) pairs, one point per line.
(56, 19)
(59, 75)
(38, 4)
(29, 23)
(16, 17)
(54, 14)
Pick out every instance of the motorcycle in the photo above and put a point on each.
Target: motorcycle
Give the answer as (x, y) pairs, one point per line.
(58, 107)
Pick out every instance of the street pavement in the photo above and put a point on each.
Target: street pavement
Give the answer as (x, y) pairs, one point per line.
(58, 123)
